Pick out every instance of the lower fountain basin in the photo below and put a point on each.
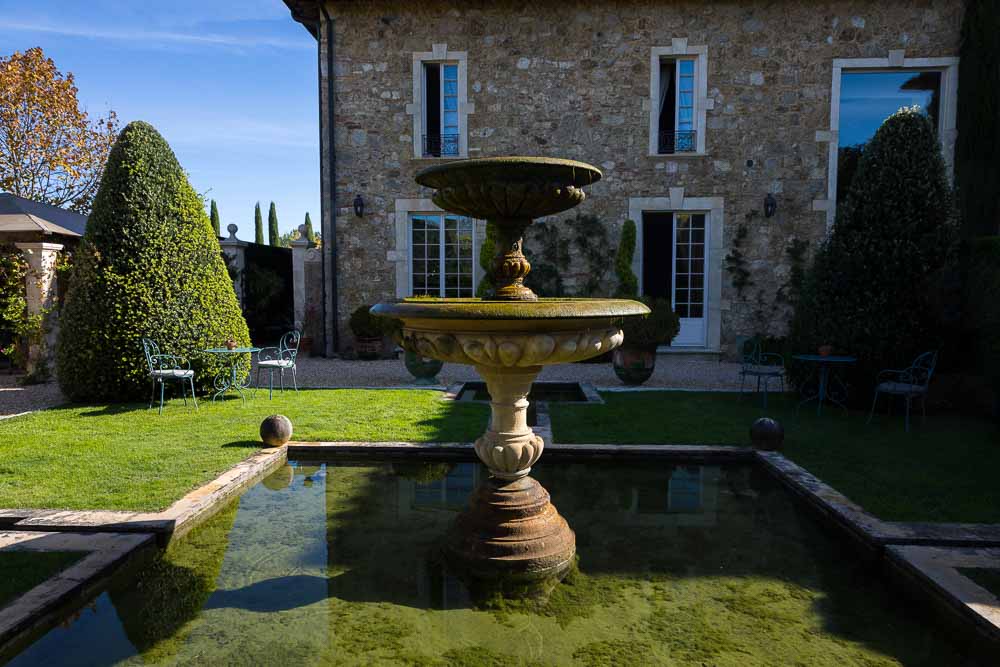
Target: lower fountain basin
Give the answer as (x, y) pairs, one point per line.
(338, 563)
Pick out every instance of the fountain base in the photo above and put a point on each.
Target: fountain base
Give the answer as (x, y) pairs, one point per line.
(511, 532)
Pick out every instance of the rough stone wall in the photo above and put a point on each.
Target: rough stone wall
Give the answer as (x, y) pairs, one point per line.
(571, 79)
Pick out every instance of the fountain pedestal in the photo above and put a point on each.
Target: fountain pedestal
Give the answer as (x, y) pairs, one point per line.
(511, 532)
(509, 447)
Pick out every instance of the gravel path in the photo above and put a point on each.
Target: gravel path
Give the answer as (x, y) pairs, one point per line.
(672, 372)
(15, 399)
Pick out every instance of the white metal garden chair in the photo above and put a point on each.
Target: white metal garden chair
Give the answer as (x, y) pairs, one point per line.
(281, 358)
(910, 383)
(164, 368)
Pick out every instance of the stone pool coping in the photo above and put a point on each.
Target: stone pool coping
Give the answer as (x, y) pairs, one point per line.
(36, 608)
(176, 520)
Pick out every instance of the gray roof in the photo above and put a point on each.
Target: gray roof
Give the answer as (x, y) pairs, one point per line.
(18, 214)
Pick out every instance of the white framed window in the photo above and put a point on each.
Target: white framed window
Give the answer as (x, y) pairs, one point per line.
(865, 91)
(678, 101)
(442, 255)
(440, 107)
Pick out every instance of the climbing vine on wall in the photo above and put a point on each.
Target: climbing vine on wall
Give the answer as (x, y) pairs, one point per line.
(550, 250)
(735, 262)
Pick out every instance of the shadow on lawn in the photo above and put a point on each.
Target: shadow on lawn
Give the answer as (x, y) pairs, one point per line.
(246, 444)
(114, 409)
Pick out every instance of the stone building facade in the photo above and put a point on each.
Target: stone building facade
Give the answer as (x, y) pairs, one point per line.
(743, 134)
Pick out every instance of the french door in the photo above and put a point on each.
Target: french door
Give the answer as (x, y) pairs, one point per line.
(442, 255)
(681, 237)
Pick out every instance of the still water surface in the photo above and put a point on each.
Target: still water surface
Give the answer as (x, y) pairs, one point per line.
(337, 564)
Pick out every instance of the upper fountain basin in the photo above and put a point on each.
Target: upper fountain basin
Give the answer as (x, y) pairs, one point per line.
(509, 188)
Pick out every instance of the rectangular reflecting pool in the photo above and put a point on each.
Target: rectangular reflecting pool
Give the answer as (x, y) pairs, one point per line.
(339, 563)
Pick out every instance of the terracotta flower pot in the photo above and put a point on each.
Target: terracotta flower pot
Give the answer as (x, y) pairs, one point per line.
(305, 344)
(825, 350)
(633, 366)
(368, 348)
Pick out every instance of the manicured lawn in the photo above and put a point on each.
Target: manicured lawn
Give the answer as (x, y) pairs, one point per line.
(943, 470)
(125, 457)
(20, 571)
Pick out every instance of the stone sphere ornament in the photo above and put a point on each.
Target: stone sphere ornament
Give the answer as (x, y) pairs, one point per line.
(767, 434)
(276, 430)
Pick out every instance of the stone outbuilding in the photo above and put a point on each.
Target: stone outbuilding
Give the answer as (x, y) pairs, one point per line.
(723, 129)
(40, 231)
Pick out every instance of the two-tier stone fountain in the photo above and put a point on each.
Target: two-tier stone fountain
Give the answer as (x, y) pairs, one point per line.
(511, 531)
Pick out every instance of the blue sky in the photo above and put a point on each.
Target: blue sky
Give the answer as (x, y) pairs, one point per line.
(231, 85)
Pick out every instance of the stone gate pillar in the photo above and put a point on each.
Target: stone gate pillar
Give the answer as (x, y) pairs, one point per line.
(40, 294)
(300, 247)
(235, 251)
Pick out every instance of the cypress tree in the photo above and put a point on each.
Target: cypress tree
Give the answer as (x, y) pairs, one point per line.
(148, 265)
(874, 283)
(258, 225)
(487, 249)
(628, 283)
(273, 236)
(215, 219)
(310, 234)
(977, 149)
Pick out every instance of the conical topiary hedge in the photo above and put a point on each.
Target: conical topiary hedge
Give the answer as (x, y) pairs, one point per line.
(148, 265)
(874, 290)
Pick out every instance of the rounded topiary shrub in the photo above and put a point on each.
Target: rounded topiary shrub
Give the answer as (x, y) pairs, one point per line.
(872, 291)
(149, 265)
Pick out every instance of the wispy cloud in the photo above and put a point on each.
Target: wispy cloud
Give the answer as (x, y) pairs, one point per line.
(159, 37)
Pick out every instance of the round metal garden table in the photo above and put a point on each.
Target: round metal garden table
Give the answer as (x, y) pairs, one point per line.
(229, 378)
(825, 364)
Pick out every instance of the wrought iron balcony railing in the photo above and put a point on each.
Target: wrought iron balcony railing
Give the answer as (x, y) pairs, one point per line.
(441, 145)
(678, 142)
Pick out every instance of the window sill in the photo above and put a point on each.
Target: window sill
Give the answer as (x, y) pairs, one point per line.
(678, 155)
(442, 157)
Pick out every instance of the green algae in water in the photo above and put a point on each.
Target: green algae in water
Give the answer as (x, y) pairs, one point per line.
(337, 564)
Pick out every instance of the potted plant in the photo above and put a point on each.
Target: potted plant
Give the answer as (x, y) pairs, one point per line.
(423, 369)
(635, 360)
(367, 330)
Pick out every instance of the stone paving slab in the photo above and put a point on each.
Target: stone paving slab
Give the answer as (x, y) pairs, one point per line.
(936, 569)
(171, 522)
(943, 534)
(38, 607)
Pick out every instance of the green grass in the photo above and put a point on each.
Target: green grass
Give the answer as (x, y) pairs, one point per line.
(943, 470)
(125, 457)
(20, 571)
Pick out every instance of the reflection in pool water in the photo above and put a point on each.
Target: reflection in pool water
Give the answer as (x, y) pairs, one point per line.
(337, 564)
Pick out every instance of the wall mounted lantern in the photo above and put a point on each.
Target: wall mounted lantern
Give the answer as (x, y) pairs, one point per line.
(359, 206)
(770, 205)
